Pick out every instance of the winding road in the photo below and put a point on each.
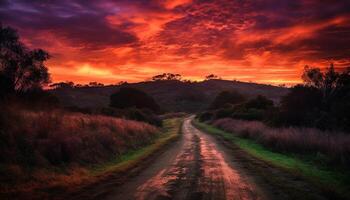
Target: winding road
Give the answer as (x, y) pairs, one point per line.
(195, 167)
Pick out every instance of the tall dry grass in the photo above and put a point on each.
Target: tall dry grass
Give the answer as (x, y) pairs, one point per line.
(335, 146)
(58, 140)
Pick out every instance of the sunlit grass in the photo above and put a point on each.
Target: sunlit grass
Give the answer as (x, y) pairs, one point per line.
(322, 175)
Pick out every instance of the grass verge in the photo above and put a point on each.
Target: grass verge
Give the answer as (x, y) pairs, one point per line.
(56, 183)
(170, 132)
(326, 178)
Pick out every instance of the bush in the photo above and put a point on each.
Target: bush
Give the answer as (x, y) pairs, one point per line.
(300, 106)
(133, 98)
(260, 102)
(144, 115)
(322, 101)
(206, 116)
(254, 109)
(249, 114)
(227, 98)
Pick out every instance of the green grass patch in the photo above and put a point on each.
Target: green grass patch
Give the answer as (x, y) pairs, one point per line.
(170, 131)
(323, 176)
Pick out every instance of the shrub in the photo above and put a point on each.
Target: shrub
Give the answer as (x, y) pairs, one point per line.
(254, 109)
(300, 106)
(260, 102)
(322, 101)
(227, 98)
(144, 115)
(249, 114)
(133, 98)
(206, 116)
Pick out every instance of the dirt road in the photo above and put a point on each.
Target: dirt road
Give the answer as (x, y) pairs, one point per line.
(196, 167)
(201, 167)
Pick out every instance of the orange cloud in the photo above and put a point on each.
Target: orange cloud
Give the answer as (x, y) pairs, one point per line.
(108, 41)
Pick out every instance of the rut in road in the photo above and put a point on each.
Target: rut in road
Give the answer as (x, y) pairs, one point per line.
(199, 171)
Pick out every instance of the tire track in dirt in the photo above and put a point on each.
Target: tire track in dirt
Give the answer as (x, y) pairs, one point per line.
(199, 171)
(199, 166)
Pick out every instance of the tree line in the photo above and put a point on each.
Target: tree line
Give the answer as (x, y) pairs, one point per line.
(322, 101)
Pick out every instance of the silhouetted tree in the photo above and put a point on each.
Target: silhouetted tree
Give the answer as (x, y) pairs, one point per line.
(301, 105)
(21, 69)
(212, 76)
(260, 102)
(323, 100)
(130, 97)
(63, 85)
(167, 77)
(227, 97)
(122, 83)
(331, 84)
(96, 84)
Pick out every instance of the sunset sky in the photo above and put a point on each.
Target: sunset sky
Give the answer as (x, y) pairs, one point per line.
(266, 41)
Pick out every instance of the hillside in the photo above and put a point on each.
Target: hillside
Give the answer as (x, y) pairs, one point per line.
(171, 95)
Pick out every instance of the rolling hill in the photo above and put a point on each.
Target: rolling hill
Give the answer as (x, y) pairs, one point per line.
(173, 95)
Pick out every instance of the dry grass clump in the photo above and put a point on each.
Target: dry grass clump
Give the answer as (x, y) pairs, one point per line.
(33, 143)
(334, 145)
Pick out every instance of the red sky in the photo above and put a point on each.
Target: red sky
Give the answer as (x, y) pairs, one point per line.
(268, 41)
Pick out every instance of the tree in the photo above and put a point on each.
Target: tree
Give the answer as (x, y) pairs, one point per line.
(167, 77)
(63, 85)
(120, 83)
(227, 97)
(21, 69)
(322, 101)
(301, 106)
(260, 102)
(96, 84)
(211, 76)
(328, 83)
(133, 98)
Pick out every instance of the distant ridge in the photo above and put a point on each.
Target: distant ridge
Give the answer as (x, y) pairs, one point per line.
(172, 95)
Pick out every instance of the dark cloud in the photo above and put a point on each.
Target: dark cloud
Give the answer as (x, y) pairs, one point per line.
(79, 23)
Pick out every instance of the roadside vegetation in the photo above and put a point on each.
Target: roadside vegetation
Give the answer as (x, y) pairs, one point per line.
(326, 147)
(307, 132)
(126, 103)
(333, 180)
(42, 148)
(50, 150)
(321, 102)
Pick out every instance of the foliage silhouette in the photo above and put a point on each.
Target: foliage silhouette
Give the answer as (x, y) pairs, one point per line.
(167, 77)
(21, 69)
(211, 76)
(226, 98)
(322, 101)
(130, 97)
(62, 85)
(260, 102)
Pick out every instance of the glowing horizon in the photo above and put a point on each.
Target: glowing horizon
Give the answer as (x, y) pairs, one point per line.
(264, 41)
